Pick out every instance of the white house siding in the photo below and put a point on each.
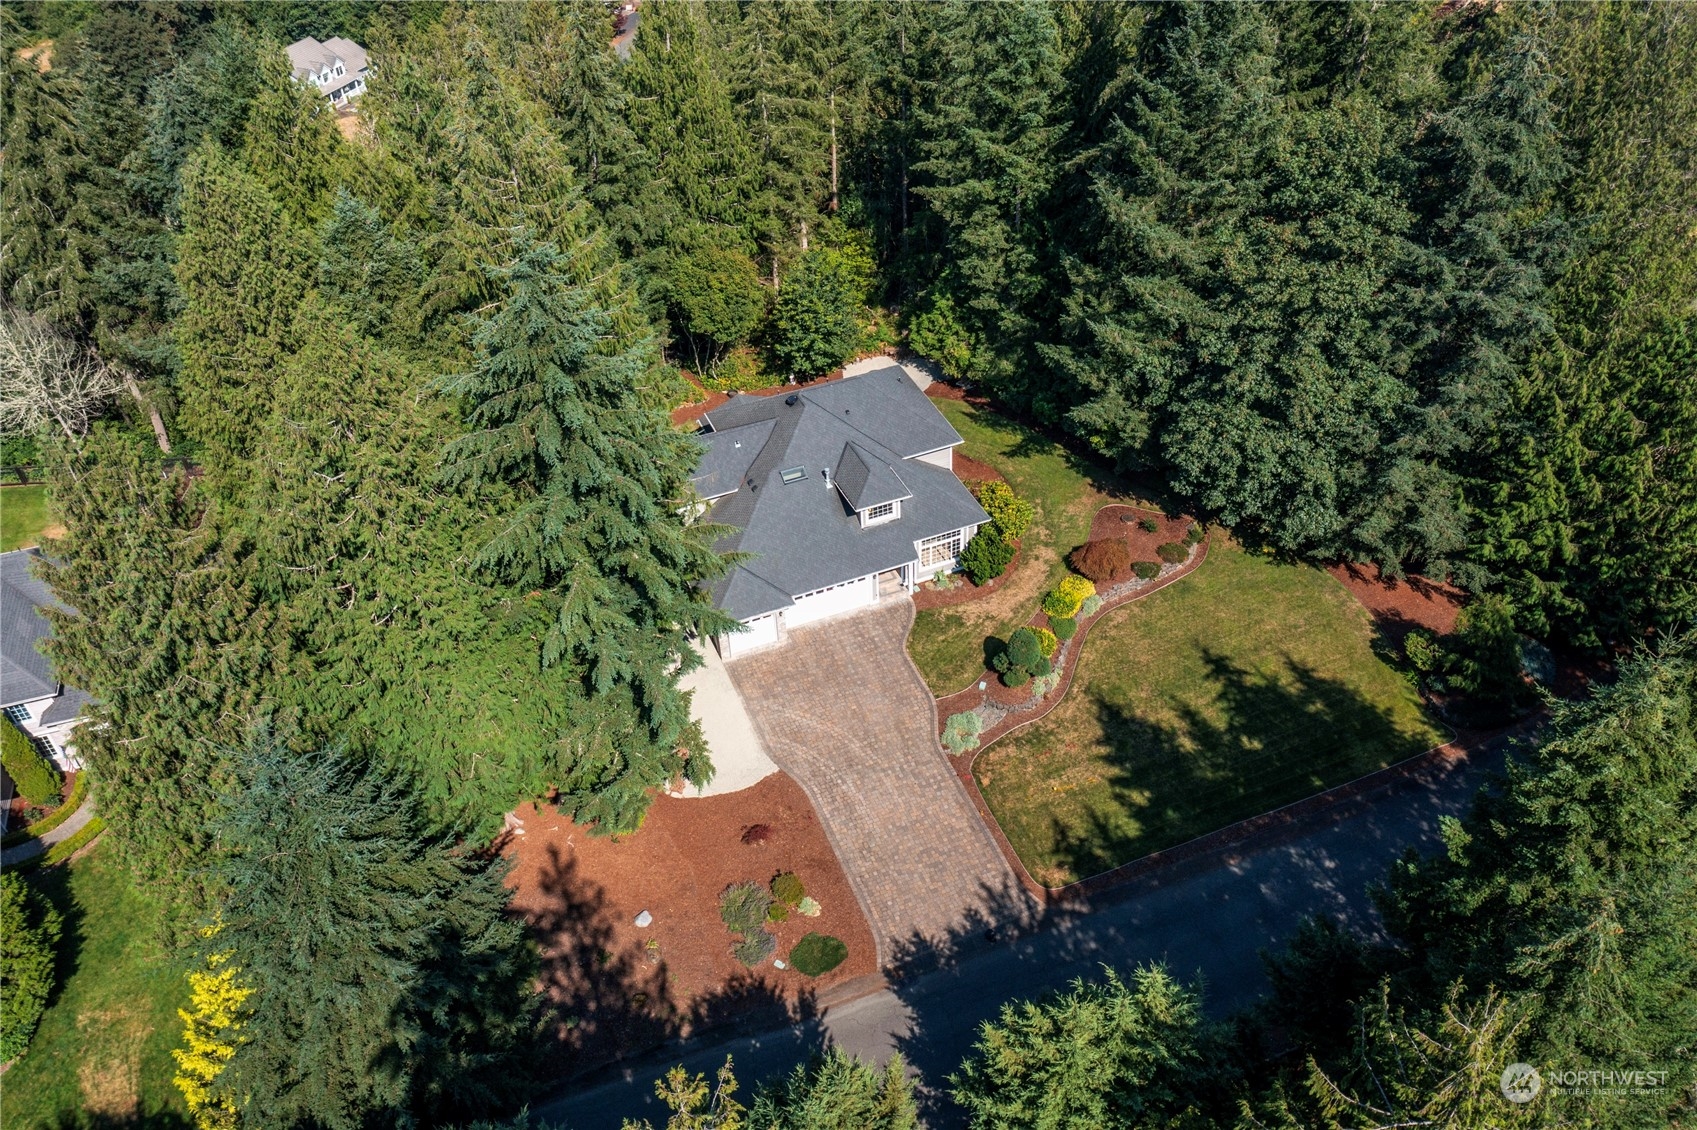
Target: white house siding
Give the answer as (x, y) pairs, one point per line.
(831, 601)
(762, 632)
(943, 457)
(56, 737)
(928, 569)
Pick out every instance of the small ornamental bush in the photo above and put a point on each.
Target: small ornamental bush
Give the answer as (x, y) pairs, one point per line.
(1011, 514)
(1424, 653)
(1065, 628)
(777, 912)
(743, 907)
(1068, 596)
(1194, 534)
(986, 556)
(1041, 687)
(38, 780)
(960, 732)
(1147, 570)
(1016, 677)
(1103, 561)
(756, 834)
(1172, 552)
(1047, 642)
(1149, 525)
(808, 907)
(787, 888)
(818, 954)
(754, 948)
(1091, 606)
(1040, 668)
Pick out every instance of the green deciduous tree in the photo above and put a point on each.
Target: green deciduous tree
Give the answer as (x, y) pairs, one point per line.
(598, 484)
(716, 297)
(388, 982)
(29, 934)
(816, 322)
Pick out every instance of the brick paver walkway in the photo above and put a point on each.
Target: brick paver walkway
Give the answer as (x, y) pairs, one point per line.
(841, 709)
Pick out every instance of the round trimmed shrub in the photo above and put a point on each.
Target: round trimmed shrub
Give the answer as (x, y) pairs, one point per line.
(1147, 570)
(777, 912)
(755, 948)
(818, 954)
(743, 907)
(1065, 628)
(1172, 552)
(1047, 641)
(1091, 606)
(986, 556)
(1102, 561)
(1040, 668)
(960, 732)
(1023, 649)
(787, 888)
(1016, 677)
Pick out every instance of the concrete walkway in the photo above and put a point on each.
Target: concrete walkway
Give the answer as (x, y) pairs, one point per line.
(739, 758)
(29, 849)
(841, 709)
(920, 371)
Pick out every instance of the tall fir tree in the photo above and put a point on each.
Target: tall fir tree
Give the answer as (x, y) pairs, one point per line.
(388, 984)
(291, 144)
(597, 523)
(242, 268)
(168, 638)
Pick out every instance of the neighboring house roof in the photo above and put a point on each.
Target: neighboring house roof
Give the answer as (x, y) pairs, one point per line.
(25, 674)
(852, 441)
(311, 58)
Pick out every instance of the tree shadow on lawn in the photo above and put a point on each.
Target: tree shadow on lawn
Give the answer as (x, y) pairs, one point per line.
(1281, 737)
(614, 1001)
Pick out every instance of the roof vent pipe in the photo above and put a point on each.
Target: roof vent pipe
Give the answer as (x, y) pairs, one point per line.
(792, 400)
(827, 478)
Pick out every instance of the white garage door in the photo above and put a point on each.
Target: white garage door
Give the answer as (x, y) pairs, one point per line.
(762, 632)
(830, 601)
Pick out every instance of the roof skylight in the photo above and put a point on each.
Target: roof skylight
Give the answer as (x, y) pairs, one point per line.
(792, 474)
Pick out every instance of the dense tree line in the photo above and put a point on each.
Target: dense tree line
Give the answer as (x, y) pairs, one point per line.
(371, 454)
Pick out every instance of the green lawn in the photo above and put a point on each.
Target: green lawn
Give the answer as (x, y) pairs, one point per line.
(104, 1044)
(948, 644)
(23, 515)
(1250, 685)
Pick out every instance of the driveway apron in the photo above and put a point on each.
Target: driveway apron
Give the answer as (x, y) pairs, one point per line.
(841, 709)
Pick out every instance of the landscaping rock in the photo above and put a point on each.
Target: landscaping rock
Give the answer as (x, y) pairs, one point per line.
(644, 920)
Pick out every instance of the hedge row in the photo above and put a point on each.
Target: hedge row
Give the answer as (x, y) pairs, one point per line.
(66, 847)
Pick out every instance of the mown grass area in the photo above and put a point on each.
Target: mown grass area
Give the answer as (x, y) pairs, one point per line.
(947, 644)
(1250, 685)
(23, 515)
(104, 1045)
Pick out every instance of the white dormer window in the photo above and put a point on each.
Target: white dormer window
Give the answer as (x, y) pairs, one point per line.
(339, 71)
(884, 512)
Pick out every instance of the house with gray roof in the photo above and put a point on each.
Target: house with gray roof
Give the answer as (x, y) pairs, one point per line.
(337, 66)
(31, 694)
(843, 493)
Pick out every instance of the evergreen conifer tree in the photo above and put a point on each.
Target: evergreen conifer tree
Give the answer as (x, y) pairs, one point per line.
(387, 982)
(600, 483)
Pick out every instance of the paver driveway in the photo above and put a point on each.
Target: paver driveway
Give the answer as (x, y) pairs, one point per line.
(841, 709)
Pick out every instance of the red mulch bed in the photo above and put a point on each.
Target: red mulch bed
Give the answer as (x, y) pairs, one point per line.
(20, 813)
(938, 390)
(581, 893)
(1400, 606)
(970, 470)
(1109, 523)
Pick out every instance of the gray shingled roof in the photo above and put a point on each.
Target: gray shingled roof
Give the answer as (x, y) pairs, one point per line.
(867, 480)
(806, 535)
(25, 674)
(728, 457)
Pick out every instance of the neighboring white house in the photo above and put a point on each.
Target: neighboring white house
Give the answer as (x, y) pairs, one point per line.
(30, 693)
(336, 67)
(844, 492)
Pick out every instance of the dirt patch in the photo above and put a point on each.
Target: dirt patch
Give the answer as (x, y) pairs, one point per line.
(347, 124)
(109, 1083)
(1400, 606)
(995, 605)
(621, 989)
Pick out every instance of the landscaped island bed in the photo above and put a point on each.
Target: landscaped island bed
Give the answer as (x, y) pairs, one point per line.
(947, 644)
(1250, 685)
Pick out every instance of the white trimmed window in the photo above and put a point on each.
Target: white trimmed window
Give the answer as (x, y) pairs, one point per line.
(883, 512)
(939, 550)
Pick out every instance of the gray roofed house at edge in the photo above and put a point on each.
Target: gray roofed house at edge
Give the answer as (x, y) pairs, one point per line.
(30, 691)
(845, 494)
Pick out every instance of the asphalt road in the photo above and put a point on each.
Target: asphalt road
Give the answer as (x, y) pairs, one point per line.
(1209, 919)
